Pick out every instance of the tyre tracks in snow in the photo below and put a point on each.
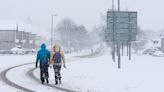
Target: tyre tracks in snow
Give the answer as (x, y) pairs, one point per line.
(4, 78)
(30, 73)
(97, 53)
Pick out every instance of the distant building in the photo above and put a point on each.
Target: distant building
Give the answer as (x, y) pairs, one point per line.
(15, 38)
(7, 39)
(162, 44)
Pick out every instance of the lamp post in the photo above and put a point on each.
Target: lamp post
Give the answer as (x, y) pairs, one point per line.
(52, 28)
(118, 5)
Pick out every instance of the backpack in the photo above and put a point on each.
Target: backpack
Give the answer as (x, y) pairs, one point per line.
(57, 57)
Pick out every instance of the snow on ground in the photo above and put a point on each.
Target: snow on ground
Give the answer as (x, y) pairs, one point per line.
(9, 61)
(19, 76)
(81, 53)
(100, 74)
(96, 48)
(141, 74)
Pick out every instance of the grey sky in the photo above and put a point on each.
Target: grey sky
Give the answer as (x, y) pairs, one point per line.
(86, 12)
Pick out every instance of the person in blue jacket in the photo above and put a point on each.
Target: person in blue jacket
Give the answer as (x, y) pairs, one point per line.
(43, 57)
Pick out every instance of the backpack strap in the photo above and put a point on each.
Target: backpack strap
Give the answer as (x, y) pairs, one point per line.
(57, 57)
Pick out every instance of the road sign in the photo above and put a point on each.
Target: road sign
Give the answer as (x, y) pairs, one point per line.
(122, 14)
(121, 26)
(122, 20)
(121, 37)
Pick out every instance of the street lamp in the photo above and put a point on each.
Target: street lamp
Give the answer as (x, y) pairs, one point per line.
(52, 28)
(118, 5)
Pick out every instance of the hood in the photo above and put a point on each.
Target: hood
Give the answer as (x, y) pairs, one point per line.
(43, 46)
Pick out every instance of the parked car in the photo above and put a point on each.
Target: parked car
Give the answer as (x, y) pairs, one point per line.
(17, 50)
(158, 54)
(5, 52)
(30, 51)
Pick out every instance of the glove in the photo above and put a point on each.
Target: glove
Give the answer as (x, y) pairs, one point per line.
(64, 65)
(51, 65)
(36, 66)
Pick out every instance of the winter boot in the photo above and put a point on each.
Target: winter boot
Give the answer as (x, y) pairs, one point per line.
(56, 82)
(42, 81)
(60, 80)
(47, 81)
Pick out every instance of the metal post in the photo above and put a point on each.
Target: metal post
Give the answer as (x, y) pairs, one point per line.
(52, 23)
(118, 5)
(129, 39)
(119, 56)
(51, 30)
(117, 48)
(113, 52)
(15, 35)
(112, 5)
(22, 40)
(29, 40)
(122, 48)
(129, 50)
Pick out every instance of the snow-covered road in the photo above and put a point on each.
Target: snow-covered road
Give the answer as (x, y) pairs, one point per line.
(98, 74)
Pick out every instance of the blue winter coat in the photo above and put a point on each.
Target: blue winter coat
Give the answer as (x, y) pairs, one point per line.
(43, 56)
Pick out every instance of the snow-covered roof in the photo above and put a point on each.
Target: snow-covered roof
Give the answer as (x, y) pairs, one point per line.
(12, 25)
(8, 25)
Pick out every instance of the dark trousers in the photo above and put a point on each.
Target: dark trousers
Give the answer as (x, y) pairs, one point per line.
(57, 69)
(44, 73)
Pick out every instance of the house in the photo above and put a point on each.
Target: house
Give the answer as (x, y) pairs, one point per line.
(15, 38)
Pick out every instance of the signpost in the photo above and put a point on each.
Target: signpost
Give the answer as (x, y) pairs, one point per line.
(121, 28)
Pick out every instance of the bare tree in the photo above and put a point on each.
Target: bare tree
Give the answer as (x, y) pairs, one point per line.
(73, 36)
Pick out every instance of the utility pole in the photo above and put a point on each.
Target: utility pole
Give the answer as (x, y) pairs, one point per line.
(112, 5)
(118, 5)
(22, 40)
(52, 29)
